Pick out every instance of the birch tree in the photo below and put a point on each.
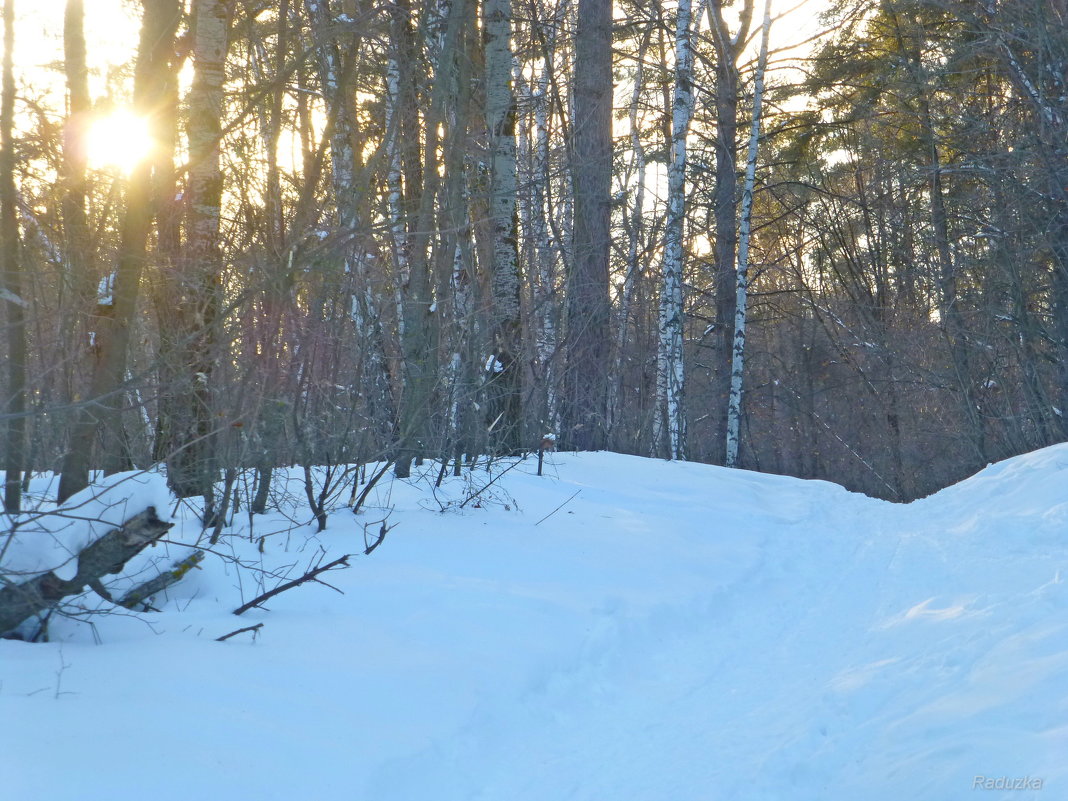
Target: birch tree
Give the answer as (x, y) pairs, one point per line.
(729, 47)
(541, 277)
(745, 228)
(191, 469)
(334, 56)
(504, 381)
(670, 362)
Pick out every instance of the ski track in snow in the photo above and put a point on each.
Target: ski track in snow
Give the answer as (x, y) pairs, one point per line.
(674, 632)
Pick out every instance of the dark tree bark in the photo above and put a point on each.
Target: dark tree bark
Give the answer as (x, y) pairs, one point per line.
(101, 410)
(420, 325)
(417, 203)
(584, 404)
(11, 269)
(729, 47)
(76, 235)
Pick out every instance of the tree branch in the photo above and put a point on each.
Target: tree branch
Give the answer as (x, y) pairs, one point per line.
(311, 575)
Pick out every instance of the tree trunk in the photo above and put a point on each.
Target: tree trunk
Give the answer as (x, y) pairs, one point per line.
(418, 309)
(725, 201)
(102, 408)
(77, 242)
(585, 396)
(11, 270)
(504, 381)
(670, 364)
(908, 32)
(734, 407)
(191, 464)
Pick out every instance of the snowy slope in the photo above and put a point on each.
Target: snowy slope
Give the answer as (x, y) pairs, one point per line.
(672, 631)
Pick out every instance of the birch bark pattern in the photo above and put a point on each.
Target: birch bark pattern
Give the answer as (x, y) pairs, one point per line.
(728, 50)
(542, 227)
(734, 407)
(394, 192)
(333, 71)
(504, 379)
(191, 468)
(670, 372)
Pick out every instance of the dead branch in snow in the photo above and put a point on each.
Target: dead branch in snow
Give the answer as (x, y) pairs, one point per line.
(311, 575)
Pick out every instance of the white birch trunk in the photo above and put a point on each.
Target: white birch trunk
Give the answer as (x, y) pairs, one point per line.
(734, 406)
(393, 174)
(331, 63)
(397, 226)
(544, 307)
(542, 178)
(500, 120)
(670, 368)
(505, 288)
(342, 159)
(637, 215)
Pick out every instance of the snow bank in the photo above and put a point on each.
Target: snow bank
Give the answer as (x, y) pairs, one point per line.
(621, 628)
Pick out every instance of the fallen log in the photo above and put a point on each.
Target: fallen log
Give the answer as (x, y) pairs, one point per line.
(106, 555)
(140, 594)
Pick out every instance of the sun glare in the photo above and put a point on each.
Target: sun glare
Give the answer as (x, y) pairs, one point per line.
(120, 140)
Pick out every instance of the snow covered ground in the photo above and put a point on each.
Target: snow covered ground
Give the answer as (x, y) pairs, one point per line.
(620, 628)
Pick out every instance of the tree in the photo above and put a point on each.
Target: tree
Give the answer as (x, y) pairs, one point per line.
(585, 394)
(734, 407)
(505, 412)
(12, 285)
(102, 407)
(671, 372)
(198, 291)
(729, 48)
(419, 322)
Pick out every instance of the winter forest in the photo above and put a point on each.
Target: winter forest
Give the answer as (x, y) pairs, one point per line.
(826, 240)
(559, 302)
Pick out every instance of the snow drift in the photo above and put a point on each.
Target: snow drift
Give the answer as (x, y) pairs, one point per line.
(621, 628)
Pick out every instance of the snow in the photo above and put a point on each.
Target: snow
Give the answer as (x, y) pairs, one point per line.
(104, 289)
(620, 628)
(50, 538)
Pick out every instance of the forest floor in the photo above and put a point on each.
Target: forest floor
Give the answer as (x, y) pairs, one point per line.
(619, 628)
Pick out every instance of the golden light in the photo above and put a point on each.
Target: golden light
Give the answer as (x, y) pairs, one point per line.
(120, 140)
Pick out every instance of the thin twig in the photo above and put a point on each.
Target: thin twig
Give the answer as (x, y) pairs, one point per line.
(382, 532)
(257, 627)
(558, 508)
